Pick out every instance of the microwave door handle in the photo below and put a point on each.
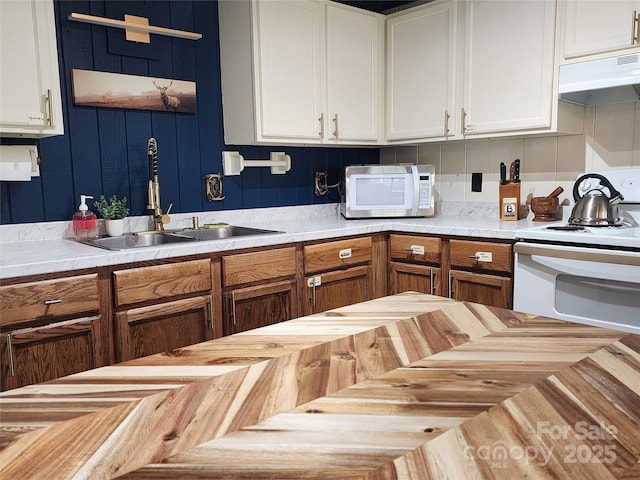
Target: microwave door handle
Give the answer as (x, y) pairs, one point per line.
(416, 190)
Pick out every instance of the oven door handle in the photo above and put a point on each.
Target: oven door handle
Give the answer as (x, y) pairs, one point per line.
(578, 253)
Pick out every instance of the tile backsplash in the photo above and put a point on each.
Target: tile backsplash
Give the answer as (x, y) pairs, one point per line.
(611, 140)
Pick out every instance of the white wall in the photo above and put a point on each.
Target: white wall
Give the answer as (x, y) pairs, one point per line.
(611, 140)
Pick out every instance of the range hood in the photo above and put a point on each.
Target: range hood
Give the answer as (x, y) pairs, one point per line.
(597, 82)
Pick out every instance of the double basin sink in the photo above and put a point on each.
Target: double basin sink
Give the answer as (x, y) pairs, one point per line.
(150, 239)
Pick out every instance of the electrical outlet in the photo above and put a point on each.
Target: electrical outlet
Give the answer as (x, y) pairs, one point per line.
(321, 187)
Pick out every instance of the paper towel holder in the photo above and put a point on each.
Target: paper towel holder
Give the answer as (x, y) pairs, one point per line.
(233, 163)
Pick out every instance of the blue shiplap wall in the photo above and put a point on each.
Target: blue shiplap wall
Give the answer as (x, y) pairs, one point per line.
(103, 151)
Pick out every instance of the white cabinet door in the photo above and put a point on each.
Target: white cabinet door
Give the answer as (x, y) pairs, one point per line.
(355, 60)
(598, 26)
(289, 72)
(292, 69)
(30, 104)
(421, 72)
(508, 73)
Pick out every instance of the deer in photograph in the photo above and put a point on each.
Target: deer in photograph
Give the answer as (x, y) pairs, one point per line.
(169, 102)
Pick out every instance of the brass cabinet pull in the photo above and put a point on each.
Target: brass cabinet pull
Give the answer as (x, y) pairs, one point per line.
(450, 285)
(446, 123)
(52, 301)
(431, 289)
(635, 28)
(314, 294)
(210, 303)
(50, 108)
(12, 372)
(463, 120)
(321, 120)
(336, 132)
(233, 307)
(312, 283)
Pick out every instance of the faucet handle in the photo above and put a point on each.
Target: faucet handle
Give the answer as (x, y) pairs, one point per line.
(195, 223)
(169, 209)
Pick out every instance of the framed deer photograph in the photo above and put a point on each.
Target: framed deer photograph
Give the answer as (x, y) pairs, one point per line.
(116, 90)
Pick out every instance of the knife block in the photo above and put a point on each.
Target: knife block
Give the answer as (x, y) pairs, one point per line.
(509, 201)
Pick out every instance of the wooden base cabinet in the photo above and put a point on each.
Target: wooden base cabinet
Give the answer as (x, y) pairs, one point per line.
(417, 278)
(489, 290)
(415, 264)
(162, 307)
(337, 273)
(481, 272)
(35, 355)
(50, 329)
(259, 289)
(258, 306)
(330, 290)
(163, 327)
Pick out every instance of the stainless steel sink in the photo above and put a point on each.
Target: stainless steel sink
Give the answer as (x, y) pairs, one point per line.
(150, 239)
(131, 240)
(223, 232)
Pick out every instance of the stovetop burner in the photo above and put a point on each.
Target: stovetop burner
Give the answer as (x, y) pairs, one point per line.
(567, 228)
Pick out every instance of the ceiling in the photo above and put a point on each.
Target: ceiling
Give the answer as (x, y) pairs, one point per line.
(376, 5)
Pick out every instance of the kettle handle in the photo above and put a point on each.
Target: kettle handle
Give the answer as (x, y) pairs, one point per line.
(614, 194)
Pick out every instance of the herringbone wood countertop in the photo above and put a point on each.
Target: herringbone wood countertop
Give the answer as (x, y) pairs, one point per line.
(408, 386)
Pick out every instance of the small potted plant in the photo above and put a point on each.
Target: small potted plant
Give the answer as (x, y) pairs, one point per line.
(113, 210)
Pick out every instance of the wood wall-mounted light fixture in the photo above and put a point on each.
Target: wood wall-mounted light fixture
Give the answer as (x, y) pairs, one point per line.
(137, 28)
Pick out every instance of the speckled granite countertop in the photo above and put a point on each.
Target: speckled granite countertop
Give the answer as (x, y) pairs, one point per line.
(31, 249)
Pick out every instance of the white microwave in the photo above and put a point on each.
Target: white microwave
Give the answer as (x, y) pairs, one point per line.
(374, 191)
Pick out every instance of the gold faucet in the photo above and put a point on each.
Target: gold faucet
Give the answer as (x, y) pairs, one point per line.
(160, 219)
(153, 194)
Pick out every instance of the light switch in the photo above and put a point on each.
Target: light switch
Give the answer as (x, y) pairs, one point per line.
(476, 182)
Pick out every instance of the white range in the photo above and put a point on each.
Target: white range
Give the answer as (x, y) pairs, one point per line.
(588, 275)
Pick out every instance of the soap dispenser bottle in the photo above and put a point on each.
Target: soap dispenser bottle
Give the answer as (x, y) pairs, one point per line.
(85, 223)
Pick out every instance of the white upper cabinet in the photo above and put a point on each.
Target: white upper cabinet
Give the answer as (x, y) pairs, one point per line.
(355, 75)
(599, 26)
(289, 69)
(422, 56)
(300, 71)
(474, 69)
(508, 65)
(30, 103)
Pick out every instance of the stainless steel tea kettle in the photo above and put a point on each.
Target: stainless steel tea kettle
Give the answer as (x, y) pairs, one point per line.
(595, 208)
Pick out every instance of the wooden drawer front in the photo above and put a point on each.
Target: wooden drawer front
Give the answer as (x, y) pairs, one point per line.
(49, 298)
(258, 266)
(327, 256)
(463, 252)
(414, 248)
(161, 281)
